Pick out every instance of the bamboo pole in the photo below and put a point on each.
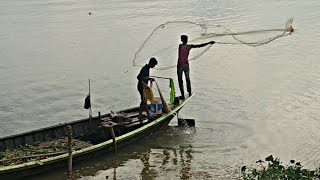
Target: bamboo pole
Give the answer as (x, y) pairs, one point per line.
(165, 105)
(69, 131)
(90, 110)
(160, 77)
(113, 138)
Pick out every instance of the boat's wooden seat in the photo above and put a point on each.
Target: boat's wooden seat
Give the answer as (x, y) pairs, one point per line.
(108, 124)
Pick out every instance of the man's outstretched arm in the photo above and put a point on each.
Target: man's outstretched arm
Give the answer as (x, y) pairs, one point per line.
(201, 45)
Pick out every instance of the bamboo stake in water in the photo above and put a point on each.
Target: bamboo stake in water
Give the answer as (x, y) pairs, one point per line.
(69, 131)
(90, 110)
(113, 138)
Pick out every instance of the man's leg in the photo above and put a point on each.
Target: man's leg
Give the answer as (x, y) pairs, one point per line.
(180, 80)
(144, 107)
(187, 74)
(142, 104)
(140, 110)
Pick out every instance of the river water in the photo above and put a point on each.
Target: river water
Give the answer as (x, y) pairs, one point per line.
(249, 103)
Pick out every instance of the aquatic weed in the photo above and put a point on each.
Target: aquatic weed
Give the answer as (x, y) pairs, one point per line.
(272, 168)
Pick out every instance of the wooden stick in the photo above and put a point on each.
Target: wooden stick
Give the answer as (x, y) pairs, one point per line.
(113, 138)
(69, 131)
(90, 110)
(89, 86)
(160, 77)
(90, 114)
(165, 105)
(32, 156)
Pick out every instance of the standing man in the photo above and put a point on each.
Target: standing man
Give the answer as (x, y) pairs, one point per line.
(183, 63)
(143, 79)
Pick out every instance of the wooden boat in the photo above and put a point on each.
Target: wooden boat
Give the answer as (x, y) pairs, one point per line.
(101, 139)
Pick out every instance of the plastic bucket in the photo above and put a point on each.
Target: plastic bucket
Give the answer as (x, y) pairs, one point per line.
(156, 106)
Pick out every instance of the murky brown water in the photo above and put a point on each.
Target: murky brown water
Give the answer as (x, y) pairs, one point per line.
(250, 102)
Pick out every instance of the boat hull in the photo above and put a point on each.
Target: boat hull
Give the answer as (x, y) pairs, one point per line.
(85, 130)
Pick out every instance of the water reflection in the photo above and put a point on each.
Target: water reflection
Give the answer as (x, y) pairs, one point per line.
(147, 171)
(114, 173)
(172, 153)
(153, 164)
(157, 156)
(185, 163)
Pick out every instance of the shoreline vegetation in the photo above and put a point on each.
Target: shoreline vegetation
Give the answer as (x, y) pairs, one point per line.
(272, 168)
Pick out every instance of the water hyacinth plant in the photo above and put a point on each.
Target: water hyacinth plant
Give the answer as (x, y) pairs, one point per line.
(272, 169)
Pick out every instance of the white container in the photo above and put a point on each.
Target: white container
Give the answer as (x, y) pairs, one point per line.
(156, 106)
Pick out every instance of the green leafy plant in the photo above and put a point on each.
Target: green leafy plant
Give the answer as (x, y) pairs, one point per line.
(272, 169)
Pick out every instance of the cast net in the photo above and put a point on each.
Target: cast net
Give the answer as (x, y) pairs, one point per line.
(164, 40)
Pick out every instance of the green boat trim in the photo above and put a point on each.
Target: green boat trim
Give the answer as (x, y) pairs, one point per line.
(94, 147)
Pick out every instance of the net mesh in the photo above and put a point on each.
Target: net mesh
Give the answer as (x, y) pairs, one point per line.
(164, 40)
